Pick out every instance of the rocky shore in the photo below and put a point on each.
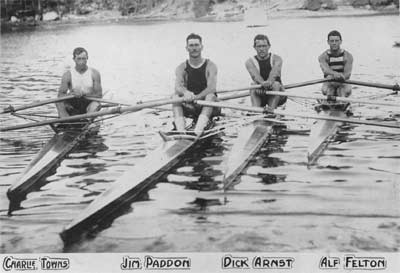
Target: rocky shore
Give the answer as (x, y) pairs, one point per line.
(200, 10)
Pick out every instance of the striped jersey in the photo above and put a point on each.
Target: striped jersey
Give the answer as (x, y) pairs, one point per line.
(336, 62)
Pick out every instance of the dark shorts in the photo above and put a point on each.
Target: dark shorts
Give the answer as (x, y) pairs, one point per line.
(192, 110)
(77, 106)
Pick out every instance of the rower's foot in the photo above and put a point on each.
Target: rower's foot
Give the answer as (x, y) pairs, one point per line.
(191, 126)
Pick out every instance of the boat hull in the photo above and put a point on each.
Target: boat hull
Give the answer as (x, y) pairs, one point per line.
(138, 180)
(322, 131)
(249, 141)
(49, 157)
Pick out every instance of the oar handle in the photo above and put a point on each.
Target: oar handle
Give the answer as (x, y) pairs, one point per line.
(395, 87)
(11, 109)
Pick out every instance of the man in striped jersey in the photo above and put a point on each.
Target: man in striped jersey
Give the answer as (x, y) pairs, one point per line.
(265, 69)
(336, 63)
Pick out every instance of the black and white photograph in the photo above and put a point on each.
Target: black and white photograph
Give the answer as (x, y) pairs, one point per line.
(200, 136)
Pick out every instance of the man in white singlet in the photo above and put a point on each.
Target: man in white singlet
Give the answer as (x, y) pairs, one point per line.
(265, 69)
(80, 81)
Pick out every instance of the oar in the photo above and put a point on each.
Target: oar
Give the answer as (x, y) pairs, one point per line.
(284, 113)
(116, 110)
(106, 101)
(287, 86)
(331, 98)
(395, 87)
(123, 103)
(11, 108)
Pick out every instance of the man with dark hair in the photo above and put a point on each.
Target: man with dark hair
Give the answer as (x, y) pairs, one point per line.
(337, 64)
(196, 79)
(265, 69)
(80, 81)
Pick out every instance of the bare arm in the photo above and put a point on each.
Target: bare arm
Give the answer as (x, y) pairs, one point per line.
(276, 68)
(323, 63)
(180, 82)
(62, 91)
(253, 71)
(65, 84)
(97, 89)
(211, 75)
(348, 66)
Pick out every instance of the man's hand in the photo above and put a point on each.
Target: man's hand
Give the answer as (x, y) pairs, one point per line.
(267, 84)
(77, 93)
(338, 76)
(189, 96)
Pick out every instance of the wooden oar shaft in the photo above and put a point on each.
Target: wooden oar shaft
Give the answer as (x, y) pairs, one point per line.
(116, 110)
(287, 86)
(11, 109)
(121, 103)
(395, 87)
(295, 85)
(331, 98)
(106, 101)
(284, 113)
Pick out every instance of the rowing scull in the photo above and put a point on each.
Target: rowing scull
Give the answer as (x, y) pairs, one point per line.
(249, 141)
(133, 183)
(322, 131)
(63, 142)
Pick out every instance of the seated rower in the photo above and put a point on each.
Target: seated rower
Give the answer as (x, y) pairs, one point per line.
(265, 69)
(336, 64)
(196, 79)
(80, 81)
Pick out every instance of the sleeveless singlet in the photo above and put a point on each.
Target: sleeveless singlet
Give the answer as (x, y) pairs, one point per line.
(82, 82)
(196, 77)
(336, 63)
(265, 66)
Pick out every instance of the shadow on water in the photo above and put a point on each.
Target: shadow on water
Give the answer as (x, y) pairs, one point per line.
(206, 182)
(203, 170)
(92, 144)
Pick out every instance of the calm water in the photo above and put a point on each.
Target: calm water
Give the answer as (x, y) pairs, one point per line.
(348, 202)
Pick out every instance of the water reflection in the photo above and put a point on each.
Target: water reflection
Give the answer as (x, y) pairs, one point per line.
(87, 150)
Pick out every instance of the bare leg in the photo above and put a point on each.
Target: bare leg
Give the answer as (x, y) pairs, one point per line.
(62, 110)
(344, 90)
(255, 97)
(328, 89)
(273, 101)
(94, 106)
(178, 116)
(205, 115)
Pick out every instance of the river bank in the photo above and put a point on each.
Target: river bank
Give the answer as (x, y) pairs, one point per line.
(224, 12)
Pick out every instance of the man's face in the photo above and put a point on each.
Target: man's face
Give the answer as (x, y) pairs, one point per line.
(334, 42)
(81, 59)
(262, 48)
(194, 47)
